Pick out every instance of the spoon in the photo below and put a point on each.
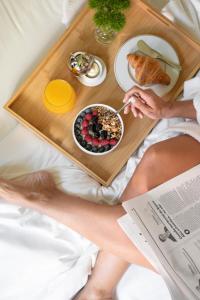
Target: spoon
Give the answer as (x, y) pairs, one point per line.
(131, 100)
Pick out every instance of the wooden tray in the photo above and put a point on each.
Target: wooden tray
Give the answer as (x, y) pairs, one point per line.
(27, 106)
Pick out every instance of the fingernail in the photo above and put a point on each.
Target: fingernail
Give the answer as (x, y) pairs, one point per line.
(132, 100)
(135, 114)
(141, 116)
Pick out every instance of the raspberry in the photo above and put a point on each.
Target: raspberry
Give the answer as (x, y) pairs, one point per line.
(88, 117)
(88, 138)
(84, 131)
(113, 142)
(104, 142)
(95, 142)
(95, 113)
(85, 123)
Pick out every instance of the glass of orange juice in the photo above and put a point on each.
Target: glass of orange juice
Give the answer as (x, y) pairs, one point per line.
(59, 96)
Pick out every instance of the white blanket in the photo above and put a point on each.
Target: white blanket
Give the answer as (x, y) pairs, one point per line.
(39, 258)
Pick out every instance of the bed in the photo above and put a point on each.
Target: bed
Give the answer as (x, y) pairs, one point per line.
(40, 258)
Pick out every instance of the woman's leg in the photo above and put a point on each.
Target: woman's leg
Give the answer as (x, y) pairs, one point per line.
(98, 222)
(161, 162)
(106, 274)
(108, 266)
(174, 156)
(95, 221)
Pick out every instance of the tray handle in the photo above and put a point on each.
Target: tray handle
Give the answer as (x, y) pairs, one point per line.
(157, 15)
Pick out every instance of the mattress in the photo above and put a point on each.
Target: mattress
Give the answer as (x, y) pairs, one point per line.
(40, 258)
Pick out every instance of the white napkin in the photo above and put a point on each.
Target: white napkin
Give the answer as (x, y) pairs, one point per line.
(70, 9)
(186, 13)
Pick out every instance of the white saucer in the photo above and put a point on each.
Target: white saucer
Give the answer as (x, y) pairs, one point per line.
(123, 70)
(97, 80)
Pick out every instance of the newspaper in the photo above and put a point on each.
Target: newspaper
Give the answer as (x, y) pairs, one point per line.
(164, 224)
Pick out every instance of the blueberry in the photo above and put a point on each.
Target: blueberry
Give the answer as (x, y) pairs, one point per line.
(101, 149)
(83, 144)
(88, 110)
(82, 114)
(89, 147)
(99, 127)
(79, 138)
(95, 149)
(79, 119)
(107, 147)
(103, 134)
(77, 126)
(90, 127)
(94, 127)
(96, 134)
(77, 132)
(94, 119)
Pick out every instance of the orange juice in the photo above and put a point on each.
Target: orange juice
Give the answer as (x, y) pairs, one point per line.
(59, 96)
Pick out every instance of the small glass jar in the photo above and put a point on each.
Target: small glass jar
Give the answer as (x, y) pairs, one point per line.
(80, 62)
(105, 36)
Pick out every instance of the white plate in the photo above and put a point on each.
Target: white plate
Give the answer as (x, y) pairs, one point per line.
(122, 69)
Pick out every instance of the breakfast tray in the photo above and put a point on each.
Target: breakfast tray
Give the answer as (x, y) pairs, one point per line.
(27, 105)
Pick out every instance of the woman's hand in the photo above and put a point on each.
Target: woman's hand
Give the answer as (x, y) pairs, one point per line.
(147, 103)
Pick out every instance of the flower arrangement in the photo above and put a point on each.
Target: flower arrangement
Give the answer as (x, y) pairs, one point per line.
(109, 14)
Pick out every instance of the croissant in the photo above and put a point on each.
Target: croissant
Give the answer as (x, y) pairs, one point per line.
(148, 70)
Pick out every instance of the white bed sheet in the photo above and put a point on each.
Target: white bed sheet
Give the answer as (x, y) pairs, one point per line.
(47, 256)
(40, 258)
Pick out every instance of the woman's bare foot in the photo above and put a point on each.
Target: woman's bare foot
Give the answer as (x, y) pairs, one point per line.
(25, 189)
(92, 293)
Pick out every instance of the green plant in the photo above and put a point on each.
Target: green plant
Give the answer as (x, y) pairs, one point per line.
(109, 15)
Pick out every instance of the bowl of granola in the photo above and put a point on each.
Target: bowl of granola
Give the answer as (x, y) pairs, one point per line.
(97, 129)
